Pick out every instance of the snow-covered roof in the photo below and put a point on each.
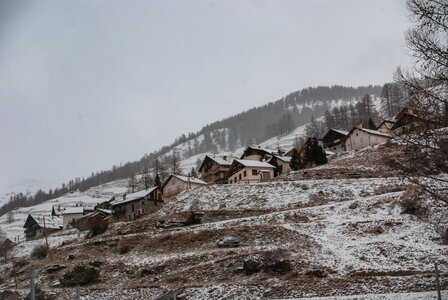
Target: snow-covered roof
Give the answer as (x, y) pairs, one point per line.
(107, 211)
(189, 179)
(134, 196)
(254, 163)
(262, 149)
(222, 161)
(284, 158)
(50, 222)
(340, 131)
(73, 210)
(370, 131)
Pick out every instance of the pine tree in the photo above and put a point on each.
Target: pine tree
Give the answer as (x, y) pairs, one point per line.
(193, 173)
(372, 124)
(157, 181)
(295, 161)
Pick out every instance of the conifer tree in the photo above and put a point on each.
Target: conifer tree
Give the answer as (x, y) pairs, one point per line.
(295, 161)
(157, 181)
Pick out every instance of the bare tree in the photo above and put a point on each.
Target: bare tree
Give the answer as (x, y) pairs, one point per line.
(10, 217)
(146, 179)
(426, 87)
(174, 163)
(132, 183)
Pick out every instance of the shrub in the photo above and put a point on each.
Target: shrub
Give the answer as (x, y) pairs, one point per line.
(98, 229)
(21, 263)
(40, 295)
(193, 219)
(40, 252)
(412, 206)
(124, 248)
(80, 275)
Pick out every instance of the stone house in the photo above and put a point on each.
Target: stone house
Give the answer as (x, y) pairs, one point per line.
(70, 215)
(178, 183)
(39, 226)
(138, 204)
(259, 154)
(359, 138)
(214, 169)
(333, 140)
(283, 161)
(386, 127)
(249, 171)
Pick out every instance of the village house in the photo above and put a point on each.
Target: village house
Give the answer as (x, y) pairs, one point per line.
(408, 120)
(138, 204)
(359, 138)
(333, 140)
(70, 215)
(249, 171)
(281, 161)
(5, 246)
(98, 217)
(290, 153)
(178, 183)
(386, 127)
(39, 226)
(215, 169)
(259, 154)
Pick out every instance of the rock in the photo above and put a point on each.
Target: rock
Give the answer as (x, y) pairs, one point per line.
(57, 283)
(169, 295)
(229, 242)
(95, 263)
(353, 205)
(252, 266)
(55, 268)
(70, 256)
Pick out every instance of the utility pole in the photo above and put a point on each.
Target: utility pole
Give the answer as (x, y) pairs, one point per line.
(439, 296)
(33, 290)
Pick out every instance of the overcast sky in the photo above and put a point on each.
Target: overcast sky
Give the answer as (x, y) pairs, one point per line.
(86, 84)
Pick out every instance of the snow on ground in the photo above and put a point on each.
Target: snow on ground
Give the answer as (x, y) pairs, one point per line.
(92, 196)
(391, 296)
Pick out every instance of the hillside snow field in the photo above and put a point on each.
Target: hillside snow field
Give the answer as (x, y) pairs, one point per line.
(301, 237)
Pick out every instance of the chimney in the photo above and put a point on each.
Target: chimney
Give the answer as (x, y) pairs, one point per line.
(225, 157)
(360, 125)
(124, 196)
(261, 159)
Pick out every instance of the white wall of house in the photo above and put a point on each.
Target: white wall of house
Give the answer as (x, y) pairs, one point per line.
(337, 148)
(68, 218)
(249, 175)
(385, 127)
(175, 186)
(361, 139)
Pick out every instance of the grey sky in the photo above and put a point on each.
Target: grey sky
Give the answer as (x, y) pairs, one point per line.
(87, 84)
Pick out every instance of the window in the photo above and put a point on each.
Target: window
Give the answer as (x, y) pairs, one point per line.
(132, 206)
(239, 177)
(254, 172)
(244, 173)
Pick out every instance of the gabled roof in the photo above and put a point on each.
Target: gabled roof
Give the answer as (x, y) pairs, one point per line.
(369, 131)
(50, 222)
(266, 151)
(283, 158)
(219, 160)
(187, 179)
(134, 196)
(339, 131)
(254, 163)
(73, 210)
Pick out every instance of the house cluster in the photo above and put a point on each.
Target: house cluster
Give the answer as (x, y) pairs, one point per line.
(255, 165)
